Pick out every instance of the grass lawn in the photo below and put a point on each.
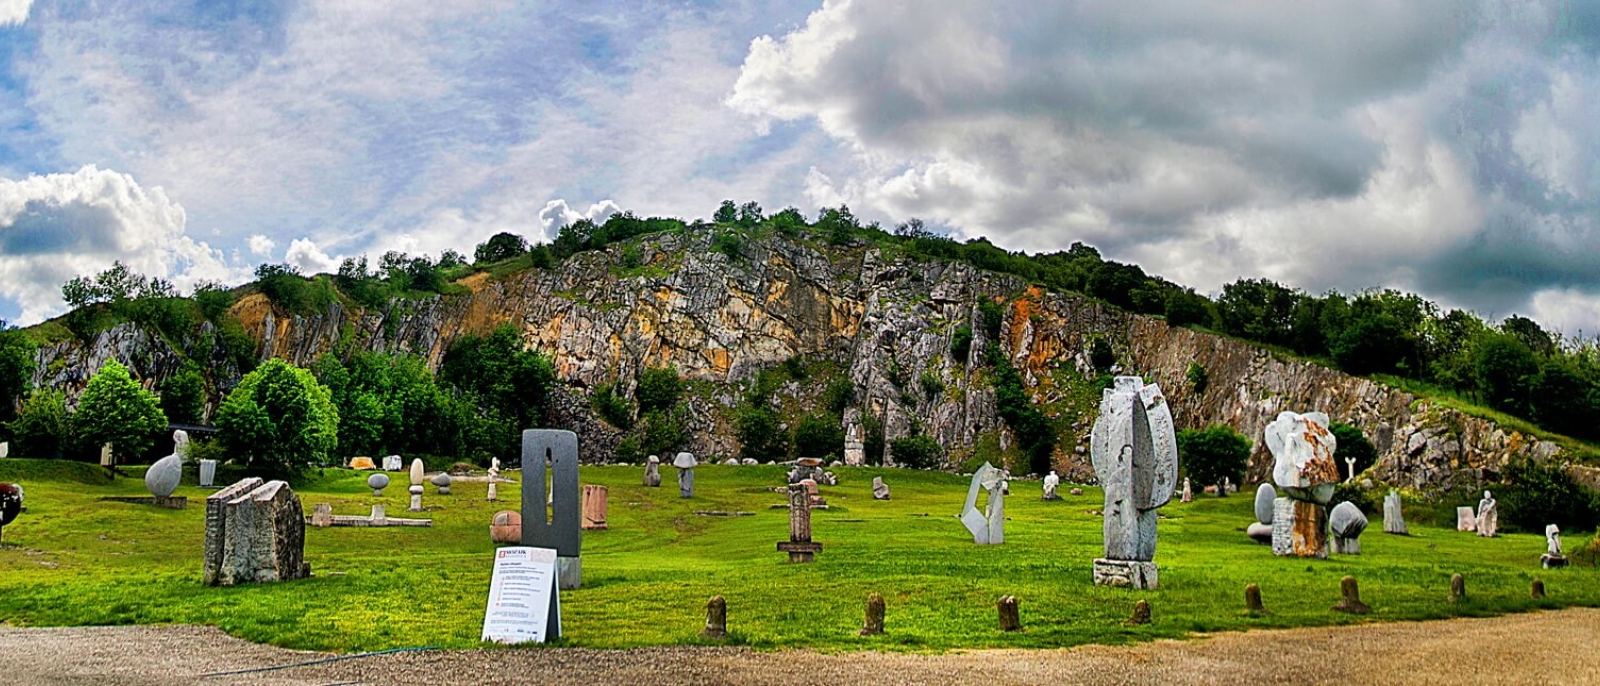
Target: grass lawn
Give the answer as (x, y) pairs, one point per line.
(72, 560)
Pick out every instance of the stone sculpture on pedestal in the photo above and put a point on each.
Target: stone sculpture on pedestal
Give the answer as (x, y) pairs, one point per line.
(685, 463)
(416, 485)
(1465, 519)
(1394, 521)
(880, 490)
(1260, 531)
(1188, 493)
(1302, 450)
(1488, 522)
(1135, 455)
(5, 448)
(1051, 483)
(1552, 556)
(855, 448)
(553, 523)
(442, 480)
(208, 473)
(652, 472)
(494, 478)
(164, 476)
(799, 546)
(1347, 523)
(377, 482)
(987, 528)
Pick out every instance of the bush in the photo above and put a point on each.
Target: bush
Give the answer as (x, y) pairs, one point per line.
(961, 344)
(1214, 453)
(183, 395)
(819, 435)
(932, 385)
(760, 434)
(1537, 495)
(917, 452)
(839, 394)
(279, 420)
(1369, 503)
(993, 316)
(43, 427)
(795, 367)
(659, 389)
(115, 409)
(1352, 443)
(612, 406)
(662, 432)
(729, 244)
(1101, 355)
(1198, 378)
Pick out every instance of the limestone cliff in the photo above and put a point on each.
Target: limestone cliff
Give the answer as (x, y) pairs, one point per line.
(886, 319)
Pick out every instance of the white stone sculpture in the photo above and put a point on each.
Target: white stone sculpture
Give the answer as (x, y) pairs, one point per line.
(416, 485)
(494, 475)
(652, 471)
(1488, 516)
(1135, 453)
(987, 528)
(1394, 521)
(5, 448)
(1302, 450)
(1051, 483)
(1466, 520)
(164, 476)
(685, 463)
(1552, 540)
(1188, 492)
(880, 490)
(1347, 523)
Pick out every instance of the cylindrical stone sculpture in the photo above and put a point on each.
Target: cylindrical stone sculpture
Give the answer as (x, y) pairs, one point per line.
(1252, 600)
(716, 618)
(799, 546)
(1538, 589)
(1458, 588)
(1141, 613)
(1010, 615)
(874, 624)
(1350, 600)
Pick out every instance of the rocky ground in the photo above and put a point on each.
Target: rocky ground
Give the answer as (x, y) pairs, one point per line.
(1544, 647)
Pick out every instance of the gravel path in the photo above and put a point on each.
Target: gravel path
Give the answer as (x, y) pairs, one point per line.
(1543, 648)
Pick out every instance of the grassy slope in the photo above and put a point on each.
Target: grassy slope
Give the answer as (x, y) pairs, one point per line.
(79, 561)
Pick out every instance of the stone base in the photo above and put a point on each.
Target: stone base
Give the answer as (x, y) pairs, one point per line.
(1346, 546)
(174, 502)
(569, 572)
(1299, 528)
(1131, 573)
(1260, 533)
(800, 551)
(1552, 561)
(1051, 496)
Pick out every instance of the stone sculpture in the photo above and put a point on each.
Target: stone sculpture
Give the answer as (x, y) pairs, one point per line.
(1466, 520)
(987, 528)
(652, 472)
(362, 463)
(1552, 557)
(255, 531)
(5, 448)
(1188, 493)
(685, 463)
(808, 468)
(1347, 523)
(594, 506)
(506, 527)
(494, 478)
(10, 504)
(1488, 516)
(164, 476)
(1302, 449)
(1051, 483)
(392, 463)
(208, 473)
(107, 459)
(873, 626)
(1260, 530)
(750, 462)
(1135, 455)
(416, 485)
(442, 481)
(855, 448)
(377, 482)
(1394, 521)
(553, 523)
(799, 546)
(731, 462)
(880, 490)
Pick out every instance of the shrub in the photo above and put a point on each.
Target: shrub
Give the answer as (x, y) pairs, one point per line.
(659, 389)
(1214, 453)
(795, 367)
(612, 406)
(993, 316)
(932, 385)
(1101, 355)
(760, 434)
(662, 432)
(114, 408)
(279, 420)
(1358, 496)
(872, 448)
(1035, 435)
(43, 427)
(1352, 443)
(961, 344)
(183, 395)
(1198, 379)
(729, 244)
(839, 394)
(1537, 495)
(818, 435)
(919, 451)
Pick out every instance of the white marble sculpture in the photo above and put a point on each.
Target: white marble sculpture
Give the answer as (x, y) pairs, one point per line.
(652, 471)
(1188, 491)
(1303, 467)
(1488, 516)
(416, 485)
(1347, 522)
(1552, 540)
(5, 448)
(1135, 453)
(1394, 521)
(880, 490)
(164, 476)
(685, 463)
(988, 528)
(1051, 483)
(494, 474)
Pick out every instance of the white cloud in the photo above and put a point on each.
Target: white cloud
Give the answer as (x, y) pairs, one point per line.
(1571, 312)
(261, 245)
(14, 12)
(57, 226)
(304, 254)
(557, 214)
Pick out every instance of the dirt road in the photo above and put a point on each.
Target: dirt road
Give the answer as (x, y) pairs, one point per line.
(1537, 648)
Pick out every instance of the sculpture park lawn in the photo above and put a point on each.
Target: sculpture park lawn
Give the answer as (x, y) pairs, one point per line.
(73, 560)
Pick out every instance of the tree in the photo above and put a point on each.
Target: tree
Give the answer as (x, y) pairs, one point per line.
(43, 427)
(1352, 443)
(727, 213)
(1214, 453)
(760, 434)
(818, 435)
(183, 395)
(750, 214)
(917, 451)
(659, 389)
(115, 409)
(1257, 309)
(1503, 370)
(789, 222)
(1115, 283)
(501, 246)
(17, 352)
(214, 299)
(1537, 495)
(279, 420)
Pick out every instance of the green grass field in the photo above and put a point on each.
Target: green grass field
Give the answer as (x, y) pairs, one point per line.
(72, 560)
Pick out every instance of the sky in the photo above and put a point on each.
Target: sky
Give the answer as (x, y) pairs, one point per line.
(1445, 147)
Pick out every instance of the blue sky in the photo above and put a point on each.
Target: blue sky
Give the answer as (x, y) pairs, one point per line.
(1440, 146)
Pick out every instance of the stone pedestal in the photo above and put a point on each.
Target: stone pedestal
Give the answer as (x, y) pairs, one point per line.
(322, 515)
(1010, 613)
(1346, 546)
(569, 572)
(1552, 561)
(1131, 573)
(594, 506)
(1299, 528)
(416, 498)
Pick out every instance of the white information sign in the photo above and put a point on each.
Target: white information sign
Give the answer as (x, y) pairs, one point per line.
(524, 604)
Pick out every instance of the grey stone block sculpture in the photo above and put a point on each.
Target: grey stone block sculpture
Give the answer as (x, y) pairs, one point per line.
(1347, 523)
(652, 472)
(988, 528)
(377, 482)
(554, 523)
(255, 532)
(1302, 449)
(1394, 521)
(685, 463)
(1135, 454)
(208, 473)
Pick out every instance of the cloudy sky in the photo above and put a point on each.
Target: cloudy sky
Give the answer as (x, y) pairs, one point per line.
(1446, 147)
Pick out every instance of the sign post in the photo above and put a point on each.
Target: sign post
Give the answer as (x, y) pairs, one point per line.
(524, 603)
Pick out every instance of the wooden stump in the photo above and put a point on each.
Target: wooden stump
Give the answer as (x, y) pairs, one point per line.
(1252, 600)
(1458, 588)
(1538, 589)
(874, 623)
(1141, 614)
(1010, 617)
(716, 618)
(1351, 602)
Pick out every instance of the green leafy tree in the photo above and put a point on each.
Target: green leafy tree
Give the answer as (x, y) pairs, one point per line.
(115, 409)
(17, 352)
(818, 435)
(760, 433)
(279, 420)
(1214, 453)
(961, 344)
(1540, 494)
(183, 395)
(789, 221)
(917, 451)
(1504, 369)
(727, 213)
(1352, 443)
(612, 406)
(659, 389)
(214, 300)
(43, 428)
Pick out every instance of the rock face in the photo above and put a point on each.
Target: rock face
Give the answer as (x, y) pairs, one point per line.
(254, 532)
(722, 320)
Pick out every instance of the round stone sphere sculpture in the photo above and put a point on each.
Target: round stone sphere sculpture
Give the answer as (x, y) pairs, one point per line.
(163, 477)
(377, 482)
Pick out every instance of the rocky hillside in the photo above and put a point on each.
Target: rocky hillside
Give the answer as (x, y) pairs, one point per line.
(885, 320)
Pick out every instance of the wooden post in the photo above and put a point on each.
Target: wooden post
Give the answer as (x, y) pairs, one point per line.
(1252, 600)
(1351, 600)
(1010, 616)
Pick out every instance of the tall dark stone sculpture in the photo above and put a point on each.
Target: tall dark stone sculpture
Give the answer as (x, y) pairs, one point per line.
(556, 522)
